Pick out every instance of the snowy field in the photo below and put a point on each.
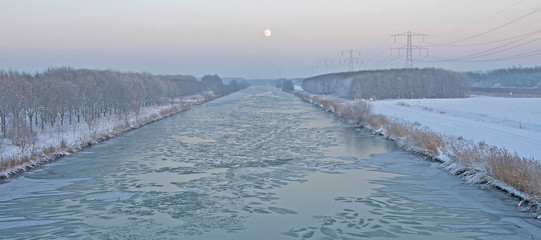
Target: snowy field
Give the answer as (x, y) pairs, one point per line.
(512, 123)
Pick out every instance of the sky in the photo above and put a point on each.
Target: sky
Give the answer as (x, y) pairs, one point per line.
(226, 37)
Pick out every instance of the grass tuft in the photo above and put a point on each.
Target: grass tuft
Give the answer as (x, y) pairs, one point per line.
(427, 140)
(521, 173)
(397, 129)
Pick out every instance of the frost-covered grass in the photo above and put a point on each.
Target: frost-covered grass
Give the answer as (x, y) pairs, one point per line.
(58, 141)
(475, 161)
(512, 123)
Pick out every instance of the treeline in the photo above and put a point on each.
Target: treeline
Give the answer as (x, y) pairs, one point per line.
(59, 96)
(286, 85)
(515, 77)
(391, 84)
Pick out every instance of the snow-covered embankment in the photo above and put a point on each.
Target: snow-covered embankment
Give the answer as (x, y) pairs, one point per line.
(54, 143)
(488, 141)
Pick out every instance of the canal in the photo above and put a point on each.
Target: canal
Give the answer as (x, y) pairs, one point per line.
(257, 164)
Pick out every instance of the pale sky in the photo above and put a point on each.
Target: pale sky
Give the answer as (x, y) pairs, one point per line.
(226, 37)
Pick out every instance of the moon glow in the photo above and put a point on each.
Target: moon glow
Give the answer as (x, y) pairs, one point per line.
(267, 33)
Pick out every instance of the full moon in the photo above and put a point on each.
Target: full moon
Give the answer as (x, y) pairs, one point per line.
(267, 33)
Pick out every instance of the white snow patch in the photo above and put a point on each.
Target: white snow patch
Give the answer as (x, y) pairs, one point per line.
(512, 123)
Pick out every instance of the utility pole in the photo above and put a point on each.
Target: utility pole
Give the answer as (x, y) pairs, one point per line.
(354, 57)
(409, 46)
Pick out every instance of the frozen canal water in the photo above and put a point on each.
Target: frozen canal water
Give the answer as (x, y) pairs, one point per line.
(258, 164)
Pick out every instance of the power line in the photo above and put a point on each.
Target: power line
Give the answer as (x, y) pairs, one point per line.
(380, 54)
(492, 51)
(505, 58)
(488, 43)
(387, 61)
(493, 29)
(484, 19)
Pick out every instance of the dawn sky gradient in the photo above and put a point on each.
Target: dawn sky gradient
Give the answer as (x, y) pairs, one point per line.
(226, 37)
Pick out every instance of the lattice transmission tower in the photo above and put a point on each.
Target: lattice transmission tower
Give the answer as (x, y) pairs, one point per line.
(325, 65)
(354, 57)
(409, 46)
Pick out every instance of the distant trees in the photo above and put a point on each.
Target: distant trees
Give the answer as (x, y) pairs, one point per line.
(60, 96)
(287, 86)
(395, 83)
(515, 77)
(212, 83)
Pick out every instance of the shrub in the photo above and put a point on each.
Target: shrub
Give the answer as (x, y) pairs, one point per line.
(355, 112)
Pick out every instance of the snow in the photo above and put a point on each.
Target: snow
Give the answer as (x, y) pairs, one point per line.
(512, 123)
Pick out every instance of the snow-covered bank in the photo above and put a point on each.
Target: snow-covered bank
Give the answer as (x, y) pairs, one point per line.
(512, 123)
(59, 141)
(475, 162)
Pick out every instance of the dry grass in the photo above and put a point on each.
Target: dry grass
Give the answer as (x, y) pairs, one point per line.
(397, 129)
(329, 104)
(164, 112)
(521, 173)
(339, 109)
(376, 121)
(467, 154)
(49, 150)
(7, 163)
(429, 141)
(63, 144)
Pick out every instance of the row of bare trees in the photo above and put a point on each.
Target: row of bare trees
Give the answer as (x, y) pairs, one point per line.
(59, 96)
(391, 84)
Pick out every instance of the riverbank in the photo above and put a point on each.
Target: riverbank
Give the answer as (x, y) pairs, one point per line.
(476, 162)
(57, 142)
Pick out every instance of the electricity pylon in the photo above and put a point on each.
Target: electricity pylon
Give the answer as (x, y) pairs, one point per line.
(354, 57)
(409, 46)
(326, 64)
